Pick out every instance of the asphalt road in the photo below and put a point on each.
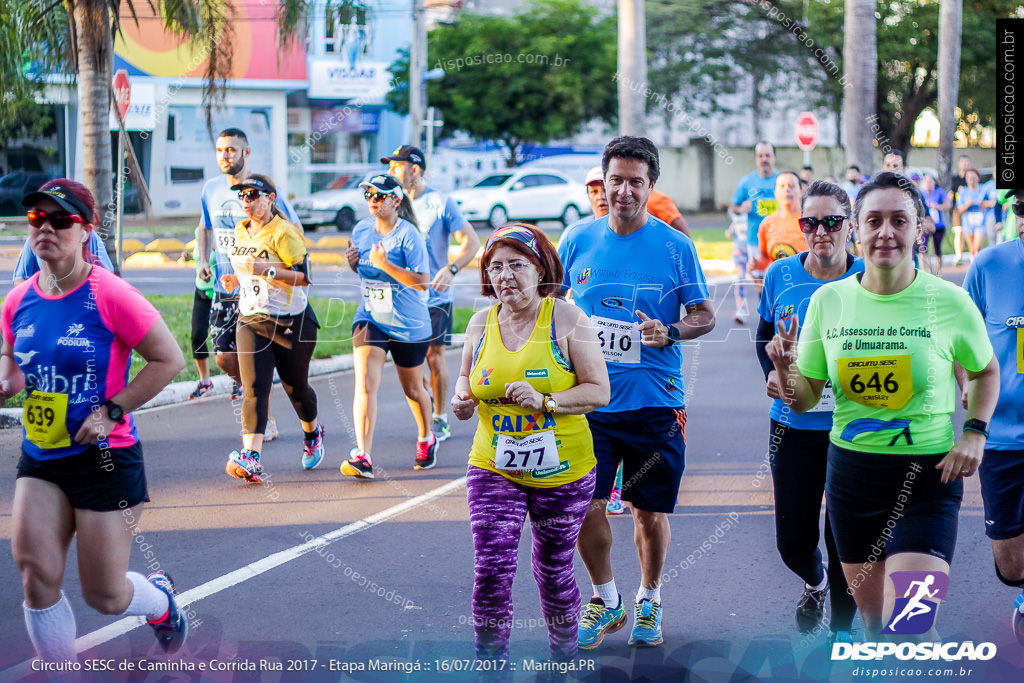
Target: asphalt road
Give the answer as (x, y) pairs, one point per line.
(391, 581)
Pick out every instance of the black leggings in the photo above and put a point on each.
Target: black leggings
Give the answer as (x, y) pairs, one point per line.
(201, 303)
(258, 356)
(799, 459)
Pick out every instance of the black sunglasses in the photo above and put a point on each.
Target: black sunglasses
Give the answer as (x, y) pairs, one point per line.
(251, 195)
(809, 224)
(1018, 209)
(376, 196)
(58, 220)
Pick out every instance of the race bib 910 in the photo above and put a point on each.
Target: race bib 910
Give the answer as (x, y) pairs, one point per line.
(45, 419)
(877, 381)
(620, 341)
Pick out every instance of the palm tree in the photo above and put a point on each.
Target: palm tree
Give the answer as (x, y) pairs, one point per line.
(861, 65)
(43, 37)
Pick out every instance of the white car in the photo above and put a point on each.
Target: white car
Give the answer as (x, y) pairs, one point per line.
(526, 194)
(341, 208)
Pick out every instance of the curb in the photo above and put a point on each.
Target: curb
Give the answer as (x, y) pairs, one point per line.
(10, 418)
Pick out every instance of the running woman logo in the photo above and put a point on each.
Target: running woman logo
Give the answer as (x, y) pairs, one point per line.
(914, 613)
(485, 378)
(71, 337)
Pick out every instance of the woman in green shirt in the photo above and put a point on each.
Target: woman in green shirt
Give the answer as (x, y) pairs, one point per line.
(887, 340)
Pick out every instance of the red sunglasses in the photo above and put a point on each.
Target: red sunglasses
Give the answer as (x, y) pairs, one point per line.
(59, 220)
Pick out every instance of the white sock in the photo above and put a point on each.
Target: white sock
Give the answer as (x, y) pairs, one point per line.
(821, 585)
(442, 416)
(653, 594)
(147, 600)
(52, 630)
(608, 593)
(427, 438)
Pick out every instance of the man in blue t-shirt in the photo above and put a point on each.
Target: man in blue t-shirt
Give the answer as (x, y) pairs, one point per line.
(632, 274)
(221, 212)
(439, 220)
(755, 197)
(995, 281)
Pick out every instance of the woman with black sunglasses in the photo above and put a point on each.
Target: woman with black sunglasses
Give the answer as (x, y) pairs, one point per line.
(798, 444)
(886, 340)
(276, 327)
(68, 336)
(390, 256)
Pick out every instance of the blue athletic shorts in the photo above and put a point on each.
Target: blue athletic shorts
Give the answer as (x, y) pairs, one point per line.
(651, 445)
(1002, 489)
(881, 504)
(441, 325)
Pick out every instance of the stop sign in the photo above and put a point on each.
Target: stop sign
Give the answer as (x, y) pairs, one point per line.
(806, 131)
(122, 91)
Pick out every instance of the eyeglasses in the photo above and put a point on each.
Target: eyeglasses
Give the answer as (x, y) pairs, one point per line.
(376, 196)
(59, 220)
(251, 195)
(809, 224)
(1018, 209)
(516, 267)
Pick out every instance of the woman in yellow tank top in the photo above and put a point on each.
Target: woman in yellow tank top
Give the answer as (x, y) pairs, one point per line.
(532, 364)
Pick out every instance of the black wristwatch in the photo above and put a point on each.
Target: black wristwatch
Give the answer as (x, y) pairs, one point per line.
(453, 269)
(975, 425)
(673, 335)
(114, 411)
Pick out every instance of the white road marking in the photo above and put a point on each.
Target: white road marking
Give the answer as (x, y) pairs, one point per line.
(250, 571)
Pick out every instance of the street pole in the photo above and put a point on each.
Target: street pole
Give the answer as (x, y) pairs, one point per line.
(632, 67)
(950, 22)
(417, 63)
(120, 194)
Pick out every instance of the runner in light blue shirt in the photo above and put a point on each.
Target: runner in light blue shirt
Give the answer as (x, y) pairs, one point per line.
(634, 276)
(439, 220)
(995, 281)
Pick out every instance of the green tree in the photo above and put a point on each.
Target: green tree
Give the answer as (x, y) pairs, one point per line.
(706, 50)
(703, 51)
(539, 75)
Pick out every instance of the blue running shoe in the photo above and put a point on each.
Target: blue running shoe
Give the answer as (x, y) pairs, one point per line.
(441, 429)
(172, 630)
(1018, 618)
(313, 451)
(646, 624)
(245, 465)
(598, 621)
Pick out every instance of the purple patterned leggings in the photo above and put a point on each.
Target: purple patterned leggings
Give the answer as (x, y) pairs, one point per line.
(497, 511)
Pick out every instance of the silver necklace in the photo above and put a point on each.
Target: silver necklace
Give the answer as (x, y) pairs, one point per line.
(52, 280)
